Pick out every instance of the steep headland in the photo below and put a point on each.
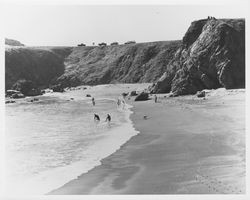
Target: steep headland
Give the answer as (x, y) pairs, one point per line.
(212, 55)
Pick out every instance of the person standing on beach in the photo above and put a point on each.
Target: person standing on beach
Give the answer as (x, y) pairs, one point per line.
(118, 102)
(93, 101)
(155, 99)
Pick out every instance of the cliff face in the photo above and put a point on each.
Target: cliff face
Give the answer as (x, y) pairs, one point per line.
(39, 65)
(130, 63)
(212, 55)
(74, 66)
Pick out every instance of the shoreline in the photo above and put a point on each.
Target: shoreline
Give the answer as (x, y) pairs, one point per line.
(110, 144)
(128, 126)
(171, 154)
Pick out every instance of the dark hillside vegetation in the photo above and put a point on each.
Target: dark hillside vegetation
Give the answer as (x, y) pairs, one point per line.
(131, 63)
(39, 65)
(66, 66)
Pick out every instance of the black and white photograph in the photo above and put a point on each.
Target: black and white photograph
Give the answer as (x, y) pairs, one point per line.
(124, 99)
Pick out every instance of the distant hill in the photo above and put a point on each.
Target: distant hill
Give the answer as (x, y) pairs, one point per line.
(12, 42)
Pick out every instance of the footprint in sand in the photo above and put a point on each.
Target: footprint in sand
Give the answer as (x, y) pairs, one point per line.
(216, 186)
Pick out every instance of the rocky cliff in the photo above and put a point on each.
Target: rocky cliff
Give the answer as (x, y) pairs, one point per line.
(72, 66)
(212, 55)
(129, 63)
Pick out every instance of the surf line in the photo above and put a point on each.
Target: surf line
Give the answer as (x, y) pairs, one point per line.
(116, 138)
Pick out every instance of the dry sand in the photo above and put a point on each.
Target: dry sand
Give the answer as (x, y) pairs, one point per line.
(185, 146)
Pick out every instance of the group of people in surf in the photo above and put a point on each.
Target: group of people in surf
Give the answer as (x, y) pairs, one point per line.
(120, 103)
(97, 118)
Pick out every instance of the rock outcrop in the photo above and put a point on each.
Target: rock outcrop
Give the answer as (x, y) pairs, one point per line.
(143, 96)
(133, 93)
(212, 55)
(17, 96)
(201, 94)
(57, 88)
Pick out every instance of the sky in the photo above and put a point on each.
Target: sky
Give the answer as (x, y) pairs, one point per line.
(69, 25)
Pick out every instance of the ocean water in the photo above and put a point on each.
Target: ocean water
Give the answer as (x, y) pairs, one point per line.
(54, 140)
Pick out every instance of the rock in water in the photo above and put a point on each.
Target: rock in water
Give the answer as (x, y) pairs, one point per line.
(10, 101)
(143, 96)
(17, 96)
(133, 93)
(124, 94)
(201, 94)
(212, 55)
(57, 88)
(11, 92)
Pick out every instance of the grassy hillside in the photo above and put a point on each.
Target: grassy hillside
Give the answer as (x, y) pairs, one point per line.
(72, 66)
(130, 63)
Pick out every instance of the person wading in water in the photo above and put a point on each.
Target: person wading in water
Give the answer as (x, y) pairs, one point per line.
(155, 99)
(108, 118)
(96, 118)
(93, 101)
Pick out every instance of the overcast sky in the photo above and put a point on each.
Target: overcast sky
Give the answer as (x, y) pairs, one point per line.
(66, 25)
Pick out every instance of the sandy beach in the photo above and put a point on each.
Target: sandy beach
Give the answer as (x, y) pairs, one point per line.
(186, 145)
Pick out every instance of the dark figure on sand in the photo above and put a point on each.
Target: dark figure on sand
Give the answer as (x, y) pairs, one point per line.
(118, 102)
(108, 118)
(155, 99)
(93, 101)
(96, 117)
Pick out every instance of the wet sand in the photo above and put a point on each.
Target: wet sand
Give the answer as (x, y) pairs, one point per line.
(186, 145)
